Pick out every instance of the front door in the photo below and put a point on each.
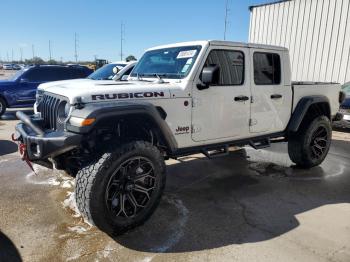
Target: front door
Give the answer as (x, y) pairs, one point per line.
(222, 111)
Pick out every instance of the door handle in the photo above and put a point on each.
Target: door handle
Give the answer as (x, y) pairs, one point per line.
(276, 96)
(241, 98)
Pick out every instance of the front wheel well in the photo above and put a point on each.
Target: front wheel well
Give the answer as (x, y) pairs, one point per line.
(130, 128)
(3, 98)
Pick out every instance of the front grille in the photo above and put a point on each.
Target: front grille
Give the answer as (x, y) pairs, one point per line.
(48, 108)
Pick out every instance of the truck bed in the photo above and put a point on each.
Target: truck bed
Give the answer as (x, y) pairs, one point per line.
(305, 88)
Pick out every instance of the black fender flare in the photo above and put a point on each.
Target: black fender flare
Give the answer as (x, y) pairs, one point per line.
(106, 110)
(301, 110)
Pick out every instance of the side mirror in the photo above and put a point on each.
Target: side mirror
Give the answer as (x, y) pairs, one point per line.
(210, 76)
(116, 70)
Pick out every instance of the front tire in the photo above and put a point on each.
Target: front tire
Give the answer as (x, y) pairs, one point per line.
(310, 145)
(2, 106)
(122, 188)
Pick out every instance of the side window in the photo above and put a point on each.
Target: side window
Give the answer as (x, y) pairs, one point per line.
(33, 75)
(50, 74)
(231, 65)
(77, 73)
(267, 69)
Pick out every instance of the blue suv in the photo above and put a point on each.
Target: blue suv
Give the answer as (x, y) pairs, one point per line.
(20, 90)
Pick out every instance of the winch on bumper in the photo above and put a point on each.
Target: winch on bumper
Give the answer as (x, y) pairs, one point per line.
(38, 144)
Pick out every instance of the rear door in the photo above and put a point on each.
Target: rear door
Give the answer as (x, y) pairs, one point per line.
(271, 91)
(221, 112)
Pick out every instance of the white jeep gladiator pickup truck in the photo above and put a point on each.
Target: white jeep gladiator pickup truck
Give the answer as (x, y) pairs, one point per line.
(180, 99)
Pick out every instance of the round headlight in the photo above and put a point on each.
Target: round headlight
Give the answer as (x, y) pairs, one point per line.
(63, 111)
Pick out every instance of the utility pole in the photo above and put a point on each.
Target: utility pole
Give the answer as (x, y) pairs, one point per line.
(33, 51)
(227, 10)
(12, 56)
(21, 52)
(7, 56)
(75, 47)
(50, 55)
(122, 32)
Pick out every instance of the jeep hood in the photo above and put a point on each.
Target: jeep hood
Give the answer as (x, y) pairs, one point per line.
(99, 91)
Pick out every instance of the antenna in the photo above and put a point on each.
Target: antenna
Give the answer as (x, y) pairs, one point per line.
(122, 32)
(50, 50)
(76, 47)
(33, 51)
(227, 11)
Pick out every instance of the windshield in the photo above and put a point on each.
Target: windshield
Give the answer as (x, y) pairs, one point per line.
(105, 72)
(346, 89)
(17, 75)
(175, 62)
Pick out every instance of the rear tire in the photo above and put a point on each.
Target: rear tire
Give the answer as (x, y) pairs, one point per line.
(310, 145)
(122, 188)
(2, 106)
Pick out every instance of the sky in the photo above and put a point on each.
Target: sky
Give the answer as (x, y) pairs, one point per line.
(27, 23)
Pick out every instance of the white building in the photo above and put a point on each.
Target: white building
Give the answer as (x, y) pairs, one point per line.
(317, 33)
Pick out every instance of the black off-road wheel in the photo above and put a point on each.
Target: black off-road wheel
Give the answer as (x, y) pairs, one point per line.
(310, 145)
(2, 106)
(122, 188)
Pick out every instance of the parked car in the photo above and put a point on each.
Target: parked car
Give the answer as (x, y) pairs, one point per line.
(7, 67)
(180, 99)
(16, 67)
(108, 72)
(20, 90)
(345, 106)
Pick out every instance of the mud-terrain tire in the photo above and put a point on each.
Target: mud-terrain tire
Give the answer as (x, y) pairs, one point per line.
(122, 188)
(2, 106)
(310, 145)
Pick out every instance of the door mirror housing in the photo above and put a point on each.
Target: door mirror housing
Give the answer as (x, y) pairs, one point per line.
(210, 76)
(116, 70)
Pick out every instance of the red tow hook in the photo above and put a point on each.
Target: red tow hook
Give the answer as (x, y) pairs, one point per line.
(23, 152)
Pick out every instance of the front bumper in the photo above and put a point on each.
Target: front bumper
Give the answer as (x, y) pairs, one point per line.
(41, 144)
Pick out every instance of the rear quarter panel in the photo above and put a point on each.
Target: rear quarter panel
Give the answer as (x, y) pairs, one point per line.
(331, 91)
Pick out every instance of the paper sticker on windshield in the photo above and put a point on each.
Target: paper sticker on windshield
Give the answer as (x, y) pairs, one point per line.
(186, 54)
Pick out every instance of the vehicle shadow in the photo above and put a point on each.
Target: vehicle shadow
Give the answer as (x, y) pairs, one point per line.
(11, 114)
(8, 251)
(241, 198)
(7, 147)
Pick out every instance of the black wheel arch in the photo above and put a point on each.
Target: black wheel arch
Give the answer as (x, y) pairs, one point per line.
(3, 98)
(309, 106)
(130, 111)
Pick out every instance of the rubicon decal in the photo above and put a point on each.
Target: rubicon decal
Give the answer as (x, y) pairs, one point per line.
(127, 95)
